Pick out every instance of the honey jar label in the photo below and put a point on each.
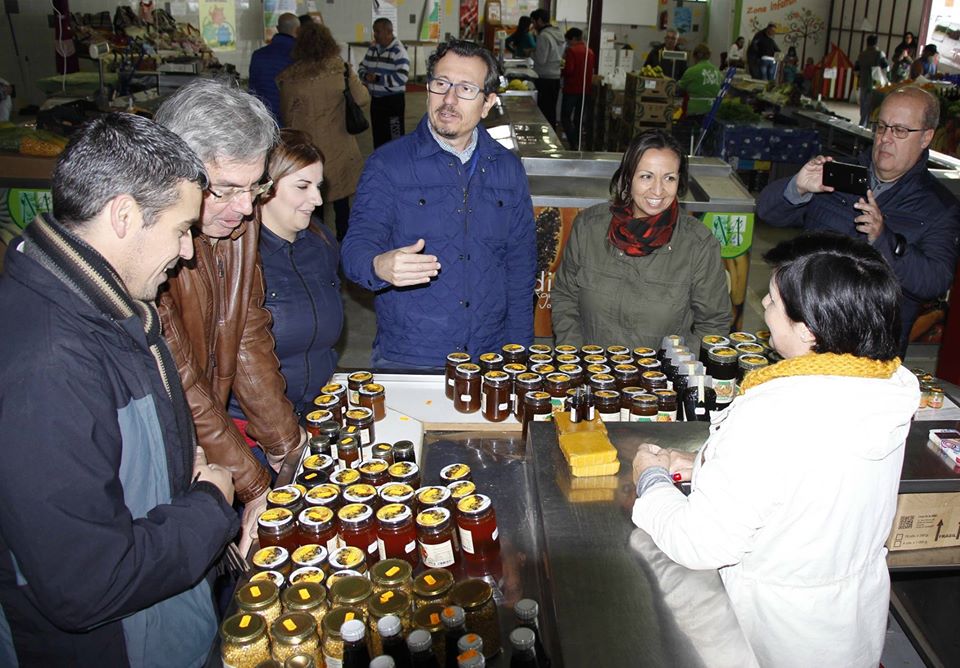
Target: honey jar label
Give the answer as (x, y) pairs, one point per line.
(454, 471)
(268, 576)
(317, 462)
(359, 492)
(433, 495)
(565, 349)
(617, 350)
(393, 512)
(316, 417)
(475, 503)
(712, 340)
(666, 416)
(309, 555)
(458, 357)
(437, 556)
(725, 390)
(359, 414)
(354, 512)
(332, 388)
(323, 492)
(433, 517)
(325, 400)
(346, 558)
(513, 367)
(373, 467)
(397, 490)
(743, 337)
(274, 517)
(283, 496)
(268, 557)
(345, 477)
(360, 377)
(371, 388)
(513, 348)
(490, 357)
(466, 540)
(461, 488)
(307, 574)
(401, 469)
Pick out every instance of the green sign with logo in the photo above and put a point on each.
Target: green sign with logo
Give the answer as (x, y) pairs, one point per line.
(734, 231)
(18, 207)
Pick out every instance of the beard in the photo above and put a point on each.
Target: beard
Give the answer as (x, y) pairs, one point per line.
(447, 133)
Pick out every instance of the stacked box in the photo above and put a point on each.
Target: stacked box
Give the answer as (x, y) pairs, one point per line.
(648, 103)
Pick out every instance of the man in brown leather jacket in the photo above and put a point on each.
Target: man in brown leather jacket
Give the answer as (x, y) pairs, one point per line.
(213, 315)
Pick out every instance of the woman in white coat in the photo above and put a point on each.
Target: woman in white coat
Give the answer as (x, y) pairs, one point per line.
(795, 490)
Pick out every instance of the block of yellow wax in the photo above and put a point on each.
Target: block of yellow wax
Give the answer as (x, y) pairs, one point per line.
(585, 443)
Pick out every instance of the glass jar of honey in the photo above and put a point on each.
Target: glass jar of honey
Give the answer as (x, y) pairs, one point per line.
(514, 353)
(348, 452)
(306, 574)
(450, 369)
(310, 479)
(432, 496)
(539, 358)
(355, 381)
(513, 369)
(276, 526)
(477, 527)
(396, 534)
(537, 407)
(435, 538)
(273, 558)
(326, 495)
(362, 418)
(358, 529)
(405, 472)
(332, 640)
(543, 369)
(556, 385)
(594, 359)
(288, 497)
(525, 382)
(460, 489)
(602, 381)
(362, 493)
(490, 362)
(742, 337)
(466, 395)
(540, 349)
(397, 492)
(389, 602)
(627, 395)
(653, 380)
(312, 554)
(575, 371)
(314, 419)
(722, 367)
(648, 364)
(403, 451)
(666, 405)
(374, 472)
(373, 396)
(496, 396)
(594, 369)
(607, 404)
(748, 349)
(567, 359)
(644, 408)
(354, 592)
(322, 463)
(347, 558)
(626, 375)
(333, 403)
(393, 575)
(454, 472)
(475, 596)
(748, 363)
(711, 341)
(621, 359)
(382, 451)
(432, 586)
(275, 577)
(317, 526)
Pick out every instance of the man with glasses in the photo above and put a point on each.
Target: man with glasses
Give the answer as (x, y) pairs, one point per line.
(907, 215)
(442, 226)
(213, 314)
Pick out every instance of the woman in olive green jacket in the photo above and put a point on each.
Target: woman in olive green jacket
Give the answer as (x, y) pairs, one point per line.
(640, 268)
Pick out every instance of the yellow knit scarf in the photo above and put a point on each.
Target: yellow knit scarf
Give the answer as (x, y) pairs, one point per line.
(822, 364)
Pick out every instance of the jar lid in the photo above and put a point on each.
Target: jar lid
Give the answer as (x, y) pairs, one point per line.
(391, 572)
(433, 495)
(458, 358)
(570, 369)
(513, 348)
(602, 378)
(722, 354)
(284, 496)
(671, 341)
(360, 377)
(453, 472)
(243, 628)
(257, 595)
(332, 388)
(396, 492)
(336, 576)
(654, 375)
(627, 368)
(403, 469)
(594, 369)
(274, 577)
(539, 358)
(753, 361)
(403, 446)
(293, 628)
(462, 488)
(304, 596)
(270, 558)
(491, 357)
(496, 377)
(359, 414)
(649, 362)
(633, 390)
(617, 350)
(529, 378)
(558, 378)
(715, 340)
(514, 368)
(326, 400)
(474, 504)
(643, 351)
(540, 349)
(359, 493)
(371, 388)
(567, 359)
(749, 348)
(390, 602)
(304, 574)
(522, 638)
(535, 397)
(318, 462)
(626, 358)
(355, 513)
(591, 349)
(762, 334)
(310, 555)
(345, 477)
(374, 466)
(380, 449)
(742, 337)
(275, 518)
(316, 417)
(543, 369)
(645, 400)
(432, 582)
(610, 395)
(564, 349)
(347, 557)
(433, 517)
(312, 478)
(316, 516)
(470, 593)
(352, 590)
(666, 395)
(347, 443)
(394, 513)
(336, 617)
(595, 359)
(323, 494)
(428, 617)
(468, 369)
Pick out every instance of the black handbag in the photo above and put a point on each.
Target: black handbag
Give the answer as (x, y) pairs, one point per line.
(356, 121)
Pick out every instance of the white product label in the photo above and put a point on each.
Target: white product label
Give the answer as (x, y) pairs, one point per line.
(437, 556)
(465, 398)
(332, 662)
(725, 389)
(624, 415)
(366, 438)
(503, 407)
(610, 417)
(450, 382)
(666, 416)
(333, 544)
(354, 397)
(546, 417)
(699, 410)
(410, 547)
(557, 404)
(382, 548)
(495, 534)
(372, 547)
(466, 540)
(642, 418)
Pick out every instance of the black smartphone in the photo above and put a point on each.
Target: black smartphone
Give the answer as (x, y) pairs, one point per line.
(846, 178)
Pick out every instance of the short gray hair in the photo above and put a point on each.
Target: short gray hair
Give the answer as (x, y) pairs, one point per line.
(219, 121)
(288, 24)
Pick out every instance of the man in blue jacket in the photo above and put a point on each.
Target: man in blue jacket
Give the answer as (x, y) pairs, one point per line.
(110, 517)
(442, 226)
(912, 219)
(270, 60)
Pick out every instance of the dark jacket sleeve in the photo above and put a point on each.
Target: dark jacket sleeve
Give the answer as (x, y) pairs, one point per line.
(371, 226)
(521, 268)
(85, 559)
(775, 210)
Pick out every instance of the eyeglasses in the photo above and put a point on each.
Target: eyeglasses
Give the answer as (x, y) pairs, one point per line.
(465, 91)
(233, 194)
(900, 132)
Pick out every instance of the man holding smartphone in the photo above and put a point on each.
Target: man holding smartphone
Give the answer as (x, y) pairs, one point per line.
(907, 215)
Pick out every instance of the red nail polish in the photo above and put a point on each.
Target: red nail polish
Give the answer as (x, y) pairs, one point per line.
(677, 477)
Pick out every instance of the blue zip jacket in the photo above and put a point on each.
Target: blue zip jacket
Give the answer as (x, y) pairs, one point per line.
(303, 296)
(916, 206)
(481, 229)
(265, 64)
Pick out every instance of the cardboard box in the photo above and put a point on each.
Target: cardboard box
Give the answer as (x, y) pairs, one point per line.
(648, 88)
(925, 521)
(646, 112)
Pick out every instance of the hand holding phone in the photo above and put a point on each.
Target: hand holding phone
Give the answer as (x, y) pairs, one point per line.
(854, 179)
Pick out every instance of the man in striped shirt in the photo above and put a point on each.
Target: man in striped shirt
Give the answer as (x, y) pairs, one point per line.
(384, 72)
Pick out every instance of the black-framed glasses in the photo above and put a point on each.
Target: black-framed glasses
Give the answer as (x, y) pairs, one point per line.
(465, 91)
(880, 128)
(233, 194)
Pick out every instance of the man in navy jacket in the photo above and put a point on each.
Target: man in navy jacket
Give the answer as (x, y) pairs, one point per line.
(110, 517)
(908, 216)
(270, 60)
(442, 226)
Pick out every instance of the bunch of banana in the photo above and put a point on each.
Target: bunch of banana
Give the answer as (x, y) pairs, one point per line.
(739, 270)
(652, 72)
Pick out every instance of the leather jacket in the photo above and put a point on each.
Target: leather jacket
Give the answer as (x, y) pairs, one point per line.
(219, 333)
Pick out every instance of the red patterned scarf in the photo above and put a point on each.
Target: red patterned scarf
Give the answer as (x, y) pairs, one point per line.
(641, 236)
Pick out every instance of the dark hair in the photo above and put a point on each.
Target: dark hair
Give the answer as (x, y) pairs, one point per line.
(842, 290)
(871, 40)
(314, 42)
(573, 33)
(467, 49)
(928, 50)
(294, 151)
(121, 154)
(701, 52)
(622, 179)
(523, 25)
(540, 15)
(383, 20)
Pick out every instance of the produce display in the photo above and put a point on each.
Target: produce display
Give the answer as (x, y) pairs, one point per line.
(30, 141)
(652, 72)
